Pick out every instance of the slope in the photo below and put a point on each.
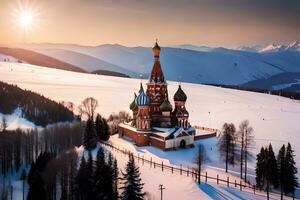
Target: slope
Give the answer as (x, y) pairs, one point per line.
(85, 62)
(38, 59)
(274, 119)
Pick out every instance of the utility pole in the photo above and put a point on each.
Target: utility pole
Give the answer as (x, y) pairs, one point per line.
(161, 188)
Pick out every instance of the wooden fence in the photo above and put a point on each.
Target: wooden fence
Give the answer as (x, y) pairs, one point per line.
(191, 172)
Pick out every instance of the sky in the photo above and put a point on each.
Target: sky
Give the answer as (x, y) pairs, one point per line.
(227, 23)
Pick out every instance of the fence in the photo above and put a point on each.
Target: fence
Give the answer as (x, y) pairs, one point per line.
(192, 172)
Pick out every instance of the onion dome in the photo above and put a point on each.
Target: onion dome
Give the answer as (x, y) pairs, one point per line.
(180, 95)
(133, 106)
(142, 99)
(156, 50)
(166, 106)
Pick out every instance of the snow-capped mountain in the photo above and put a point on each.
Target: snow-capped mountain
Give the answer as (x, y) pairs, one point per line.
(272, 48)
(294, 46)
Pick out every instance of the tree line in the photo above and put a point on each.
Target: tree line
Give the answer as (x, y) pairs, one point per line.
(34, 107)
(277, 172)
(19, 148)
(271, 172)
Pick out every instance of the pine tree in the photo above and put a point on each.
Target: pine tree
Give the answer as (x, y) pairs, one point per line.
(281, 169)
(273, 169)
(81, 180)
(227, 145)
(102, 128)
(103, 178)
(260, 169)
(23, 178)
(89, 177)
(132, 186)
(290, 171)
(90, 137)
(115, 179)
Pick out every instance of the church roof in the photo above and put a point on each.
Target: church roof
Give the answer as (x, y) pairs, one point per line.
(142, 99)
(180, 95)
(157, 74)
(166, 105)
(133, 105)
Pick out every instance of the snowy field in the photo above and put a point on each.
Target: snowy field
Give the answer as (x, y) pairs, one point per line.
(274, 119)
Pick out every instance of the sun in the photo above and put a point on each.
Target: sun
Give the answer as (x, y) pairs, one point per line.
(25, 19)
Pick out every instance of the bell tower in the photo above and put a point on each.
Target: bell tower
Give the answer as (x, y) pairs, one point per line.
(156, 87)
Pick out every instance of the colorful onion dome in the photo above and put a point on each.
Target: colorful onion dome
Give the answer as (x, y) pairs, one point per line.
(133, 106)
(180, 95)
(142, 99)
(166, 105)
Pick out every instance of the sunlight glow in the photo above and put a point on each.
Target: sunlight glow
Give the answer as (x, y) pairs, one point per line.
(25, 19)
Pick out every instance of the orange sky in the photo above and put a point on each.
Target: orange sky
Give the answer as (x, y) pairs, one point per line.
(139, 22)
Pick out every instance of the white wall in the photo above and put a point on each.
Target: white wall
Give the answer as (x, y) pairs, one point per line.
(176, 141)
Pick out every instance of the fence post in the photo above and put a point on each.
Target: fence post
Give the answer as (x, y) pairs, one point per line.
(187, 172)
(217, 178)
(172, 169)
(180, 169)
(234, 183)
(227, 181)
(138, 157)
(151, 162)
(240, 185)
(143, 159)
(206, 177)
(162, 166)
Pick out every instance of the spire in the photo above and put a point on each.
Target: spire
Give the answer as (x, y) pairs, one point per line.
(157, 74)
(141, 88)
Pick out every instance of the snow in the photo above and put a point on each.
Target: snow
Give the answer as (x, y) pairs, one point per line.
(6, 57)
(274, 119)
(15, 121)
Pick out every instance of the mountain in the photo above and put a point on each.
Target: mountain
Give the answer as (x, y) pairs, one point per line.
(205, 65)
(285, 81)
(294, 46)
(35, 58)
(85, 62)
(194, 47)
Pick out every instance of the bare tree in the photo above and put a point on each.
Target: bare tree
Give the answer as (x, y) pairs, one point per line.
(246, 139)
(227, 145)
(199, 159)
(88, 107)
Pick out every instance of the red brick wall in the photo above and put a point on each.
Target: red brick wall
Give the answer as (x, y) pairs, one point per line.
(140, 139)
(157, 143)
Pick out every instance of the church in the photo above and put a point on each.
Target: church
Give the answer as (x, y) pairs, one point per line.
(155, 121)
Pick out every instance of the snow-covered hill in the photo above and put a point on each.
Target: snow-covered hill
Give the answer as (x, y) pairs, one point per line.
(275, 119)
(15, 121)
